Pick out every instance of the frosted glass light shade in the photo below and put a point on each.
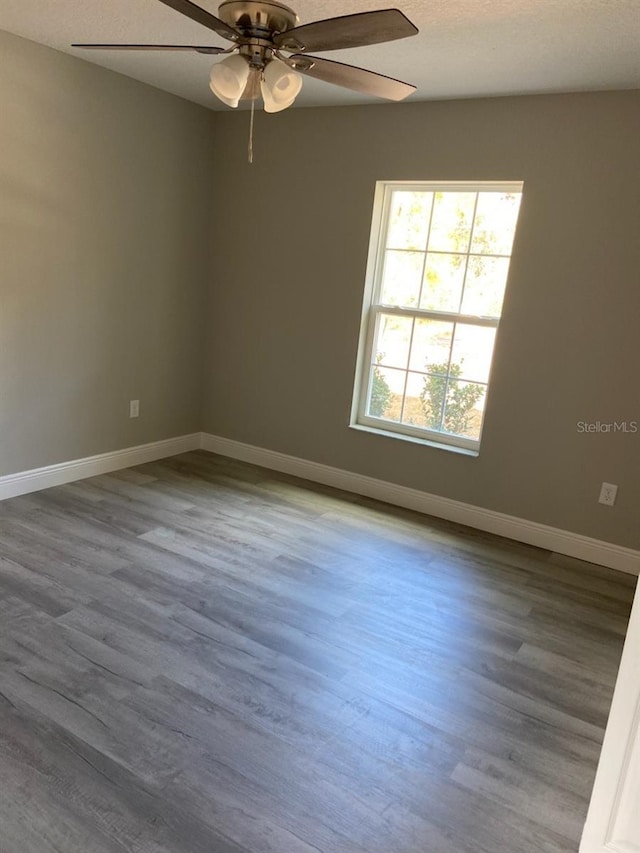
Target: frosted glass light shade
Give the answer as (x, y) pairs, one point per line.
(280, 86)
(228, 79)
(272, 107)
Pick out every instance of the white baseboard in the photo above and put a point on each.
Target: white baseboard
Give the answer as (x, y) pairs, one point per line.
(540, 535)
(24, 482)
(530, 532)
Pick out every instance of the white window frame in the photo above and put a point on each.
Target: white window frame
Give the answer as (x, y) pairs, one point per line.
(373, 308)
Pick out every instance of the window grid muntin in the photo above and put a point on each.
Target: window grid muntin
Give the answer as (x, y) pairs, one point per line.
(466, 261)
(406, 372)
(426, 246)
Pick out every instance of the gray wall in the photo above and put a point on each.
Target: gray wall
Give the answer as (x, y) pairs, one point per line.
(112, 195)
(105, 190)
(290, 260)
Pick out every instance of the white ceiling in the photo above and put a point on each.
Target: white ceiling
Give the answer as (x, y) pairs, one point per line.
(465, 48)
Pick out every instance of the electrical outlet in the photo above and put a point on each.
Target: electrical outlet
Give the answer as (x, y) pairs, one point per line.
(608, 494)
(134, 408)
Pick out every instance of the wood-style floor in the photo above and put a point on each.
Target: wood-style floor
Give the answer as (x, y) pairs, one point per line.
(200, 656)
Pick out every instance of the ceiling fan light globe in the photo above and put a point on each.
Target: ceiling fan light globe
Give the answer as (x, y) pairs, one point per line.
(229, 78)
(270, 106)
(230, 102)
(281, 82)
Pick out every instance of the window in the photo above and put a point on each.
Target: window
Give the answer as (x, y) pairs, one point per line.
(438, 264)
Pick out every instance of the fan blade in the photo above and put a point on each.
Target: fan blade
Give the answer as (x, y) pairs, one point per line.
(351, 77)
(201, 16)
(348, 31)
(187, 47)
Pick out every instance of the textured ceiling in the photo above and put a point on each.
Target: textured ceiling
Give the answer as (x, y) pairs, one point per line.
(465, 48)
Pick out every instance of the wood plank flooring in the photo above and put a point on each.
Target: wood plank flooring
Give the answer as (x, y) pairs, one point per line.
(201, 656)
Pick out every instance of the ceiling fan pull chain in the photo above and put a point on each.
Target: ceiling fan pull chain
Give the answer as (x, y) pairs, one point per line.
(250, 147)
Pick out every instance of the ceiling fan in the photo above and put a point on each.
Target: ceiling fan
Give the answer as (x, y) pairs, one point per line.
(263, 32)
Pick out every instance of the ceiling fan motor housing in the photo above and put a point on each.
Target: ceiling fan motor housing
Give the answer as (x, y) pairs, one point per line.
(257, 19)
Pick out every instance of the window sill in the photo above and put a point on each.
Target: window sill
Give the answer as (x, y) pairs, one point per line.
(425, 442)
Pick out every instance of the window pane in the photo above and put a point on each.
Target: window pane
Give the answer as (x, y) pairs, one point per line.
(394, 339)
(495, 223)
(443, 278)
(409, 216)
(440, 273)
(472, 351)
(451, 222)
(386, 390)
(464, 407)
(401, 278)
(431, 346)
(432, 395)
(484, 286)
(417, 403)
